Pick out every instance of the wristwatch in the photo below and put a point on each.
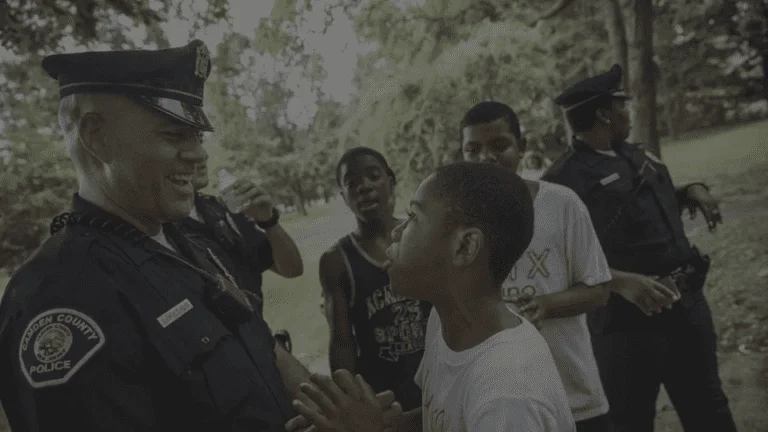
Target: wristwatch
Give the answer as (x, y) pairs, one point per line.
(272, 221)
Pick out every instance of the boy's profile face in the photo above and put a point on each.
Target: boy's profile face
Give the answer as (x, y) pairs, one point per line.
(421, 252)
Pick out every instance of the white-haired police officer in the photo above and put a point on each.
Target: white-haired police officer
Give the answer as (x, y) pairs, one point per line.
(637, 212)
(119, 322)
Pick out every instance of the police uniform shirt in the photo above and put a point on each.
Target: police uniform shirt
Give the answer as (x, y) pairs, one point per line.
(103, 331)
(629, 192)
(640, 229)
(243, 248)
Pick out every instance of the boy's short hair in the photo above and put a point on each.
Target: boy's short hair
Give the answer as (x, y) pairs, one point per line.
(488, 111)
(356, 152)
(496, 201)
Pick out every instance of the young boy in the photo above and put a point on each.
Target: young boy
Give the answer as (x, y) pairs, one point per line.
(484, 368)
(374, 331)
(562, 274)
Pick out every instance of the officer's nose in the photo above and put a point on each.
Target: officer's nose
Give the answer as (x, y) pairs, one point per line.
(195, 153)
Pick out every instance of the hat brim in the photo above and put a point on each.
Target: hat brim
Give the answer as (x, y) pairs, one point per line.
(186, 113)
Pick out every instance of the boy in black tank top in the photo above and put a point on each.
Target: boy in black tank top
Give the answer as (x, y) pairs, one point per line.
(374, 332)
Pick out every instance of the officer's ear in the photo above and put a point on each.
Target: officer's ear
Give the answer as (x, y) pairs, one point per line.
(91, 129)
(603, 116)
(392, 179)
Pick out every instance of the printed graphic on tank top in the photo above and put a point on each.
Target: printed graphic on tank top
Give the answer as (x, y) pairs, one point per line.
(389, 329)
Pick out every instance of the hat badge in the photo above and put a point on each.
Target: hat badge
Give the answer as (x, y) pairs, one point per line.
(201, 62)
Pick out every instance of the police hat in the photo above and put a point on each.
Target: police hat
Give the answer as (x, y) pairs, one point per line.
(604, 85)
(168, 80)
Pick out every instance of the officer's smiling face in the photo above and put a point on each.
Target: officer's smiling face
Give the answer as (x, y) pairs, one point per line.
(491, 142)
(152, 163)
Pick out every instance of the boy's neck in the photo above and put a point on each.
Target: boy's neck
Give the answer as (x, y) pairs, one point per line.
(378, 228)
(475, 320)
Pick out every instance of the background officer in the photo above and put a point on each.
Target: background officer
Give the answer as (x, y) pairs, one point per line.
(119, 322)
(637, 211)
(252, 239)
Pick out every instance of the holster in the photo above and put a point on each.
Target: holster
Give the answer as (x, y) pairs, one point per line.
(619, 315)
(697, 270)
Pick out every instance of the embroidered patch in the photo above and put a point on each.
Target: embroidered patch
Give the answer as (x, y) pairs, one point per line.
(201, 62)
(56, 344)
(175, 313)
(610, 179)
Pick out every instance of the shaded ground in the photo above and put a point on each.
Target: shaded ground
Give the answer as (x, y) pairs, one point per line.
(734, 163)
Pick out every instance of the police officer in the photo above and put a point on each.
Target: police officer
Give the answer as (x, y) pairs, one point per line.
(252, 240)
(119, 322)
(637, 212)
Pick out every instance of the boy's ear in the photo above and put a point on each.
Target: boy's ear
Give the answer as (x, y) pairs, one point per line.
(466, 245)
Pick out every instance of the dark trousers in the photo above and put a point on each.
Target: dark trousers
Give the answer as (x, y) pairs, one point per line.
(681, 354)
(595, 424)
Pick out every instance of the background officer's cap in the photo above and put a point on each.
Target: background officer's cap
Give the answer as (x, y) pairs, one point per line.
(604, 85)
(169, 80)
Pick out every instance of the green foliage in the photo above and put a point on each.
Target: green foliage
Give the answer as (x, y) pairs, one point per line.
(432, 60)
(410, 108)
(36, 26)
(36, 178)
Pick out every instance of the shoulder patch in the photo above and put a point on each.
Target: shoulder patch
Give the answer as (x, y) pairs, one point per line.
(653, 157)
(56, 344)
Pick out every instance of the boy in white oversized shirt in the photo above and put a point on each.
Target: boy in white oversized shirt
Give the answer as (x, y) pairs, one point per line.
(563, 272)
(484, 368)
(507, 382)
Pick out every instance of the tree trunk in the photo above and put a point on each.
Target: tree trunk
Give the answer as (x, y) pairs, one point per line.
(765, 74)
(669, 114)
(301, 199)
(617, 36)
(327, 195)
(642, 75)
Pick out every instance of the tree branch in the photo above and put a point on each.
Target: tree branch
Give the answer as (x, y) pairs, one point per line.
(554, 10)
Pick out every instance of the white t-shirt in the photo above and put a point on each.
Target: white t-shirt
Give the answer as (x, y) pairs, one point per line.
(509, 382)
(563, 252)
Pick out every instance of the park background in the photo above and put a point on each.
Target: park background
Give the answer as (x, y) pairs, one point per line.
(296, 82)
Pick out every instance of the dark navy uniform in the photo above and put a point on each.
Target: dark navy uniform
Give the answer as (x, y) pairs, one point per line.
(637, 211)
(104, 329)
(235, 239)
(389, 329)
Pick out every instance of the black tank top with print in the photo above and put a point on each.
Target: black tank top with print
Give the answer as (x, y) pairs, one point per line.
(389, 329)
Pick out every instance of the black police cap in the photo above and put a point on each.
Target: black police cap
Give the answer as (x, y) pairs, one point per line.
(604, 85)
(168, 80)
